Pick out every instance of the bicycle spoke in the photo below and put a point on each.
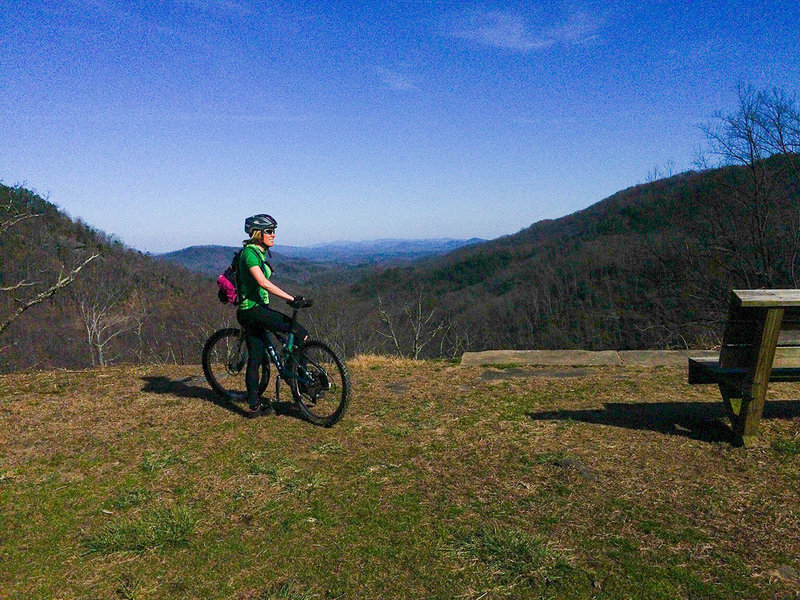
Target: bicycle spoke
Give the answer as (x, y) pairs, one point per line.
(225, 365)
(320, 384)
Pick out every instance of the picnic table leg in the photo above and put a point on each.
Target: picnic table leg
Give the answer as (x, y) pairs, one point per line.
(732, 399)
(745, 426)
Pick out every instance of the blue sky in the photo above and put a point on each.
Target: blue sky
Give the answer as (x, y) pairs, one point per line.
(167, 123)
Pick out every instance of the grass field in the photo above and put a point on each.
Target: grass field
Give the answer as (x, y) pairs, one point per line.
(441, 482)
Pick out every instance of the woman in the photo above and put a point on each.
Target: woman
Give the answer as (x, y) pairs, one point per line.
(254, 314)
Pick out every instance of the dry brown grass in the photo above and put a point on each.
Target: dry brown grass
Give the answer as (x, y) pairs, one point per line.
(442, 481)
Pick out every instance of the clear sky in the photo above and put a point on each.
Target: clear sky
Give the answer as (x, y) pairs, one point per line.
(167, 123)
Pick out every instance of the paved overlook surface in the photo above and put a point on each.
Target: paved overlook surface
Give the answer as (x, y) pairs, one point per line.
(579, 358)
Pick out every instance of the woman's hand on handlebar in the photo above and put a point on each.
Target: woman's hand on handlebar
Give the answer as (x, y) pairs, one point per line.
(300, 302)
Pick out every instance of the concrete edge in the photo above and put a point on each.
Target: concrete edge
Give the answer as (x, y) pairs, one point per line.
(584, 358)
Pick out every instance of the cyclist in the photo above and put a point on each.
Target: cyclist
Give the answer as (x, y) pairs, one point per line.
(254, 313)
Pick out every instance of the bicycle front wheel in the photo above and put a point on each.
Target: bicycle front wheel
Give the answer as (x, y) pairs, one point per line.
(225, 364)
(320, 384)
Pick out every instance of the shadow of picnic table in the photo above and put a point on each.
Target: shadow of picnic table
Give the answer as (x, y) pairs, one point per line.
(701, 421)
(187, 388)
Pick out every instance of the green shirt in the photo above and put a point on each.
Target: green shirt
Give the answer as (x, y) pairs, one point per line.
(249, 291)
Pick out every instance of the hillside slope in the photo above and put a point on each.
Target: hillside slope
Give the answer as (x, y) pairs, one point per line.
(649, 267)
(123, 307)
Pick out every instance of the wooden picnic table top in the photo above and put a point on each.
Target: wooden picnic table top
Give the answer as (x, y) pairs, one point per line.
(767, 298)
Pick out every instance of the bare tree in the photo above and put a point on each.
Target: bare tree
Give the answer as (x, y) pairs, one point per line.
(424, 324)
(753, 211)
(417, 323)
(27, 294)
(12, 216)
(61, 282)
(107, 310)
(391, 332)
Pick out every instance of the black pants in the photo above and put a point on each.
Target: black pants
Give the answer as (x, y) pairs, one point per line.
(257, 321)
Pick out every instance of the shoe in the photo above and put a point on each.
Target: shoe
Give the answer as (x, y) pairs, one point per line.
(254, 412)
(266, 409)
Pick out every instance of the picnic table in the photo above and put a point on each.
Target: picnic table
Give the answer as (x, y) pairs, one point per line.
(760, 344)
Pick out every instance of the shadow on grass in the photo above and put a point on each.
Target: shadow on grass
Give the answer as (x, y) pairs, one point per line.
(183, 388)
(704, 421)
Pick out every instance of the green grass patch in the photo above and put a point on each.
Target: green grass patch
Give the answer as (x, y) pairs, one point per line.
(160, 528)
(262, 463)
(284, 474)
(397, 432)
(153, 462)
(287, 591)
(512, 558)
(790, 446)
(130, 497)
(550, 458)
(671, 532)
(128, 587)
(332, 447)
(6, 474)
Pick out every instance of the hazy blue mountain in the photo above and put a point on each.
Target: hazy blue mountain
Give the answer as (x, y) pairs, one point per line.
(374, 251)
(212, 260)
(300, 263)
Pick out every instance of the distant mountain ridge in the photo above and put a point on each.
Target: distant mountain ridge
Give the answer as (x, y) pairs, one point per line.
(212, 260)
(375, 251)
(303, 262)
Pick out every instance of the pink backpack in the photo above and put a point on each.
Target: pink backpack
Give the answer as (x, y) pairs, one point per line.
(227, 288)
(226, 282)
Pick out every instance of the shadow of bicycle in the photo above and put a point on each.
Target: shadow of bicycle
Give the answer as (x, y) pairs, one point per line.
(186, 388)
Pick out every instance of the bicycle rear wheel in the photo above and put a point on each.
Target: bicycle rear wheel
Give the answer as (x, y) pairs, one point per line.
(321, 384)
(225, 364)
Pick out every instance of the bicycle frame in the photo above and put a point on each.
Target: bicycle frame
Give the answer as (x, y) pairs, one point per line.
(283, 360)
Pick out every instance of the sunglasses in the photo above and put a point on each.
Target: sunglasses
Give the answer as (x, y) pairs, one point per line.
(268, 231)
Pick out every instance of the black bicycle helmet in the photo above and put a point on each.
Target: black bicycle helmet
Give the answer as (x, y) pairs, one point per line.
(259, 223)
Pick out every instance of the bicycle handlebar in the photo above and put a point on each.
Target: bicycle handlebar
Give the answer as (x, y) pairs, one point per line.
(301, 302)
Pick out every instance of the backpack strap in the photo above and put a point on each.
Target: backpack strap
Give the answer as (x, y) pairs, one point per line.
(235, 267)
(235, 261)
(261, 261)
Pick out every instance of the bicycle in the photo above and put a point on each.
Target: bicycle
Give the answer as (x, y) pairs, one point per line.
(316, 375)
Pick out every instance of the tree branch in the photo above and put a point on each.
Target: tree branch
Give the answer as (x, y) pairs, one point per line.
(17, 219)
(48, 293)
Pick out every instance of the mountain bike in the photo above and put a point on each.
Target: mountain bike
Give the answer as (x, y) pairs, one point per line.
(316, 375)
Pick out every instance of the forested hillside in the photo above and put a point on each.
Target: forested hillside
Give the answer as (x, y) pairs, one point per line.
(649, 267)
(121, 305)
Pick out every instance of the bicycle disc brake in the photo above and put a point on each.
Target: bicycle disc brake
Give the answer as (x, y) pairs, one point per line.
(236, 364)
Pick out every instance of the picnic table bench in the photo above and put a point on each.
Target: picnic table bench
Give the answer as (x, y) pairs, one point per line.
(760, 344)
